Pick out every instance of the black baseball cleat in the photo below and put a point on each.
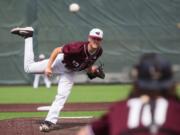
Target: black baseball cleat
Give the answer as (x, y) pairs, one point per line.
(23, 32)
(46, 126)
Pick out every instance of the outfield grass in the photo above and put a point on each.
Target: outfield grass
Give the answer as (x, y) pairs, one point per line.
(80, 93)
(10, 115)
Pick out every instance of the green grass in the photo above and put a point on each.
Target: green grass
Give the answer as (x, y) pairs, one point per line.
(10, 115)
(99, 93)
(80, 93)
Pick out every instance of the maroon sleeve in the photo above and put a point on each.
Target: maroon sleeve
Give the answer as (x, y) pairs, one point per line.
(112, 122)
(71, 48)
(173, 120)
(100, 126)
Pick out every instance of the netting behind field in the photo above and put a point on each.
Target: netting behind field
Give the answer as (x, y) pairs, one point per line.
(131, 27)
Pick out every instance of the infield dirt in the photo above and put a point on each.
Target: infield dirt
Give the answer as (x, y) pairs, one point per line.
(30, 126)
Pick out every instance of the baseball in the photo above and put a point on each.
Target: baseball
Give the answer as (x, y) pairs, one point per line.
(74, 7)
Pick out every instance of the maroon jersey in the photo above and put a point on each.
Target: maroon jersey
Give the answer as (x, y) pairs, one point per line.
(132, 117)
(77, 57)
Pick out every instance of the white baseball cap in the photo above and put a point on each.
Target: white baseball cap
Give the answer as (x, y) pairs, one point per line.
(97, 33)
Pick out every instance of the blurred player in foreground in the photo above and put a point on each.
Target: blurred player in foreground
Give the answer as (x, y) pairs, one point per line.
(37, 77)
(152, 108)
(65, 60)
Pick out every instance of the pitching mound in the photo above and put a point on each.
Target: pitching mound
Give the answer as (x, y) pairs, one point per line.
(30, 126)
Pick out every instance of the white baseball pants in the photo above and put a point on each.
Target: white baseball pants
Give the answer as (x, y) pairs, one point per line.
(65, 83)
(37, 78)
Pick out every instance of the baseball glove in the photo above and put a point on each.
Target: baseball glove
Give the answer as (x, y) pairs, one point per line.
(99, 72)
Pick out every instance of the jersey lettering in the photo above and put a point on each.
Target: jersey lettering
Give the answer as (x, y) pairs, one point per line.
(76, 64)
(135, 115)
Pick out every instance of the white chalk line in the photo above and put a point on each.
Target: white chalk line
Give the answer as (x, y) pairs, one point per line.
(46, 108)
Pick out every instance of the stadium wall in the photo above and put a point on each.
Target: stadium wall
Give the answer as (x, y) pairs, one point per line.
(131, 27)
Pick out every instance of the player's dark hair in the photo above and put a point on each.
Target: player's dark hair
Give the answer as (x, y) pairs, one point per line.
(168, 94)
(154, 77)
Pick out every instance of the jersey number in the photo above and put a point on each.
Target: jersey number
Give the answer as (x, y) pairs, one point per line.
(141, 114)
(76, 64)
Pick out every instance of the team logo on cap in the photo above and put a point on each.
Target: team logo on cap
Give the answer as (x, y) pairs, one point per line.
(97, 33)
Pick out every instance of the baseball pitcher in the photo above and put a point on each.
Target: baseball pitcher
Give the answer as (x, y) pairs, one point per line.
(64, 60)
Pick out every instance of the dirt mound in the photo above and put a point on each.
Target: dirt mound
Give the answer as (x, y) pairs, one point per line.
(30, 126)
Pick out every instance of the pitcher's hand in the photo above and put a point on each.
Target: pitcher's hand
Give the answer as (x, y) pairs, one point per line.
(48, 72)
